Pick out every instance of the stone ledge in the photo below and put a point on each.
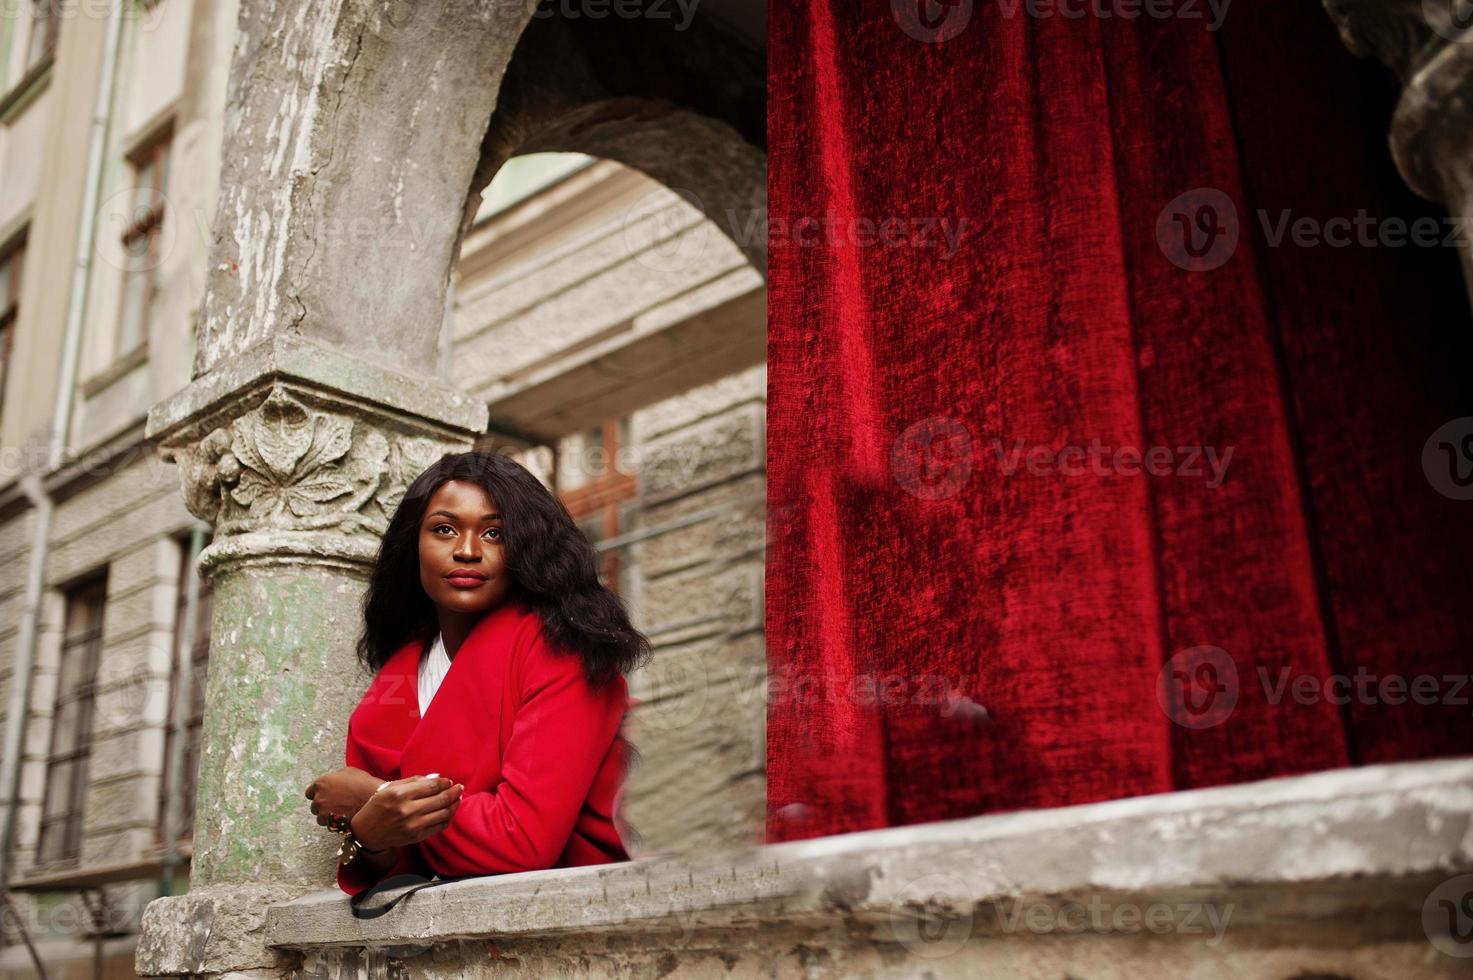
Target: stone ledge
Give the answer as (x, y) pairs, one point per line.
(290, 357)
(1279, 852)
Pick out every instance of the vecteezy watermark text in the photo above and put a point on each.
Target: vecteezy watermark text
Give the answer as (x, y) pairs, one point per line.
(682, 12)
(1202, 686)
(1102, 460)
(936, 915)
(1365, 230)
(895, 231)
(933, 459)
(934, 21)
(1200, 230)
(1213, 12)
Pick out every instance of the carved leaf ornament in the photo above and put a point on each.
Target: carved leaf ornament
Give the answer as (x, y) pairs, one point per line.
(287, 465)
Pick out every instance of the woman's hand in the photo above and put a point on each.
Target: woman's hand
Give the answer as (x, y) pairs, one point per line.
(406, 811)
(341, 793)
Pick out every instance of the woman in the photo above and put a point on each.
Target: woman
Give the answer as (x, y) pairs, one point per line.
(489, 740)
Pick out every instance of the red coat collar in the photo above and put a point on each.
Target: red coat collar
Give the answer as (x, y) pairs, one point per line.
(387, 720)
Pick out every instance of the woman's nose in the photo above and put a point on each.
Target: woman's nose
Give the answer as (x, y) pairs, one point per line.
(468, 547)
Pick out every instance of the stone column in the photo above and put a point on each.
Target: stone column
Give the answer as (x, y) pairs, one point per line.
(353, 133)
(1429, 44)
(298, 455)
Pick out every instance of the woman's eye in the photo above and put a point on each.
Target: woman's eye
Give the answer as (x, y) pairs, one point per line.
(494, 533)
(443, 527)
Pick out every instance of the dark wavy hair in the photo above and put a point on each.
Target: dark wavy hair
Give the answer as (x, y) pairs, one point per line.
(553, 567)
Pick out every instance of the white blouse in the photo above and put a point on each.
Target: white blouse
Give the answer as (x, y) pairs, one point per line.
(432, 669)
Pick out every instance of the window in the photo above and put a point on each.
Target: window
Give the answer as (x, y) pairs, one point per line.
(11, 261)
(45, 22)
(522, 177)
(141, 256)
(199, 654)
(603, 493)
(71, 724)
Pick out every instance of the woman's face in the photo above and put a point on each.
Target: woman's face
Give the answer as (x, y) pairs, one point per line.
(461, 556)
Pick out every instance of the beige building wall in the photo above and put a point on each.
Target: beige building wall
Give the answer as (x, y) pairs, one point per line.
(117, 508)
(587, 297)
(608, 298)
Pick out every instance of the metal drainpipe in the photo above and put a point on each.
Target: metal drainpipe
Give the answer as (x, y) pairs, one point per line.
(61, 415)
(183, 694)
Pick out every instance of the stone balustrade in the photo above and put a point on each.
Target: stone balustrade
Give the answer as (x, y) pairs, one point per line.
(1351, 873)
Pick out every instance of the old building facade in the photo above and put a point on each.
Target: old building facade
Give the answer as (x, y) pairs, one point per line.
(612, 333)
(317, 245)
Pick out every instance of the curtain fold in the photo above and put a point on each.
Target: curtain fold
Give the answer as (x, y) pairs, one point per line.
(1003, 284)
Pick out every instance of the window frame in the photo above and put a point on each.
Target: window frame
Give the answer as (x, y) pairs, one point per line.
(15, 254)
(199, 652)
(605, 497)
(148, 224)
(82, 635)
(34, 57)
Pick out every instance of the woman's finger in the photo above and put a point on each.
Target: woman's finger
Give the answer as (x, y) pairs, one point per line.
(438, 801)
(315, 808)
(432, 829)
(429, 818)
(419, 787)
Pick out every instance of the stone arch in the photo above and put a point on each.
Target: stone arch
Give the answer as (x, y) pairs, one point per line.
(358, 135)
(687, 108)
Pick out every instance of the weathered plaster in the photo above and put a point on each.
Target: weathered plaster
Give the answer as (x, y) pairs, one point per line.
(353, 134)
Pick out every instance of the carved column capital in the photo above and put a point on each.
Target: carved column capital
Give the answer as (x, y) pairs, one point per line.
(1398, 33)
(1429, 44)
(298, 463)
(298, 458)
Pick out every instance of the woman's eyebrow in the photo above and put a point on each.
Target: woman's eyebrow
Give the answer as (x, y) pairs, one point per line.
(454, 517)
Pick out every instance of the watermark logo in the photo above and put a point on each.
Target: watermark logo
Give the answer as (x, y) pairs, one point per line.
(133, 233)
(666, 231)
(403, 20)
(1447, 459)
(147, 16)
(671, 692)
(939, 926)
(1199, 230)
(932, 459)
(1447, 917)
(932, 21)
(1449, 18)
(1198, 688)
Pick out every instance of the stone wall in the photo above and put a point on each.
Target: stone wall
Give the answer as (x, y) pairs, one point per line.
(124, 517)
(700, 725)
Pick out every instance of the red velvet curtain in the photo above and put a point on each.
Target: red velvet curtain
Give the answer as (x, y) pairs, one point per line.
(987, 314)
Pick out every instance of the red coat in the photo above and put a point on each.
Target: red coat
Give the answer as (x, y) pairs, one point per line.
(542, 755)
